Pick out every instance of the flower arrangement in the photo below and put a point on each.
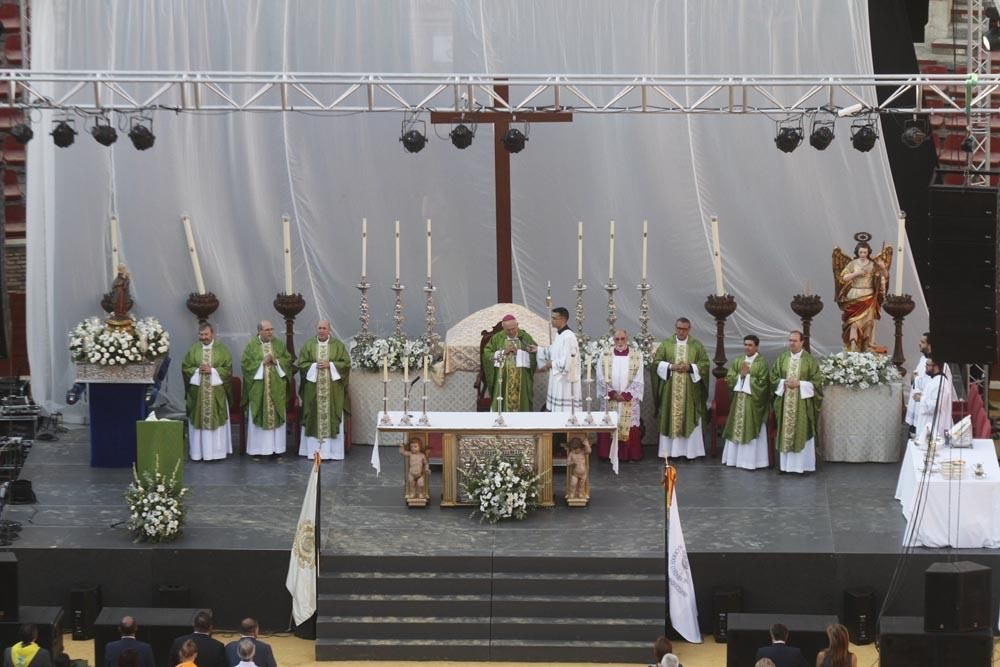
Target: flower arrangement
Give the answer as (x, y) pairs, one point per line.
(501, 488)
(858, 370)
(155, 505)
(94, 343)
(597, 348)
(371, 355)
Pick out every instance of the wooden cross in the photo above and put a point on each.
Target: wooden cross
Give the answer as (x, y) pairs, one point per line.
(501, 121)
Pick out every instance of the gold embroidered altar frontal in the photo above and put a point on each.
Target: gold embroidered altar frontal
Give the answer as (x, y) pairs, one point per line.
(461, 451)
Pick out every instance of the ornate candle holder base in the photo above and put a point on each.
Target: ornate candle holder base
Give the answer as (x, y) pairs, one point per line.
(806, 306)
(607, 415)
(589, 419)
(424, 421)
(202, 305)
(898, 307)
(720, 307)
(573, 420)
(385, 420)
(610, 287)
(364, 337)
(644, 339)
(289, 305)
(499, 420)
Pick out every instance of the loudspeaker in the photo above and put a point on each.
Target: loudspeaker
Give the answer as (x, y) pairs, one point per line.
(85, 605)
(173, 595)
(903, 643)
(49, 623)
(957, 597)
(859, 614)
(724, 601)
(960, 280)
(8, 586)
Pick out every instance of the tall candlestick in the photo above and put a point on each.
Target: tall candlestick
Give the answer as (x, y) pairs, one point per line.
(426, 374)
(579, 251)
(286, 236)
(114, 246)
(607, 370)
(590, 368)
(611, 254)
(428, 248)
(572, 368)
(645, 237)
(406, 370)
(385, 368)
(397, 250)
(199, 281)
(717, 258)
(900, 246)
(364, 247)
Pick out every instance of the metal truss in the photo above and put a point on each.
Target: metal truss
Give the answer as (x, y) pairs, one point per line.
(979, 64)
(322, 93)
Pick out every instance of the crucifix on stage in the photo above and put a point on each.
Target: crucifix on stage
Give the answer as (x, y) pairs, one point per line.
(501, 121)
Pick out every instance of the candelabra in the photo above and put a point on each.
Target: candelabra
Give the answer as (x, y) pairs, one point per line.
(580, 288)
(720, 307)
(431, 336)
(365, 336)
(424, 421)
(202, 305)
(607, 415)
(385, 420)
(573, 420)
(610, 287)
(644, 339)
(406, 421)
(397, 309)
(589, 419)
(899, 307)
(289, 305)
(806, 306)
(499, 420)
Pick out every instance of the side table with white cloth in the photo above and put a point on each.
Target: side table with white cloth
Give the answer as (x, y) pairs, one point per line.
(962, 511)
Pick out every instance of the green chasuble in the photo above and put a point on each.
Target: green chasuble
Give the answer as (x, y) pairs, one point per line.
(747, 412)
(681, 400)
(798, 418)
(207, 406)
(267, 397)
(323, 400)
(518, 383)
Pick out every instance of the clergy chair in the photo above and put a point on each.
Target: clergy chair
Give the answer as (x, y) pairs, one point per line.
(293, 415)
(772, 437)
(236, 413)
(720, 413)
(484, 397)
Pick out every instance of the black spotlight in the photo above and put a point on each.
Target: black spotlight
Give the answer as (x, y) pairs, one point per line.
(788, 138)
(822, 134)
(514, 140)
(22, 133)
(63, 134)
(142, 137)
(914, 133)
(991, 37)
(104, 134)
(863, 136)
(461, 136)
(968, 144)
(413, 141)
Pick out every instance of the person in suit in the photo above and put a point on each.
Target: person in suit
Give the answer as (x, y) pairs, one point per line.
(779, 651)
(27, 652)
(245, 651)
(263, 654)
(211, 652)
(128, 642)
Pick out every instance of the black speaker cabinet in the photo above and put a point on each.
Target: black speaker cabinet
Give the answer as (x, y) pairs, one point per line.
(957, 597)
(173, 595)
(49, 623)
(748, 632)
(724, 601)
(85, 605)
(8, 586)
(903, 643)
(859, 614)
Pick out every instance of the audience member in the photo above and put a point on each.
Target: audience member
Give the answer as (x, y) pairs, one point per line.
(128, 658)
(245, 650)
(211, 652)
(188, 654)
(263, 655)
(780, 653)
(661, 647)
(128, 642)
(27, 651)
(838, 654)
(670, 660)
(764, 662)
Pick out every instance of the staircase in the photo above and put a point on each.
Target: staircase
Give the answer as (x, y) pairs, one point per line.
(545, 608)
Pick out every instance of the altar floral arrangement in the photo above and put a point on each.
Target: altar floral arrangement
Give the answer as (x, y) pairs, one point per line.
(597, 348)
(372, 354)
(501, 488)
(155, 505)
(858, 370)
(92, 342)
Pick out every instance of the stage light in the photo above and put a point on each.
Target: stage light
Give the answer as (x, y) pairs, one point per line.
(991, 37)
(914, 133)
(142, 137)
(821, 135)
(22, 133)
(514, 140)
(968, 144)
(461, 136)
(788, 138)
(63, 134)
(104, 133)
(863, 135)
(413, 141)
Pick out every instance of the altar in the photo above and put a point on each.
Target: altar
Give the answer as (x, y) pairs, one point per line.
(469, 434)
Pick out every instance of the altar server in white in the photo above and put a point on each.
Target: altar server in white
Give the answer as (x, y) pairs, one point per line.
(564, 365)
(920, 377)
(934, 407)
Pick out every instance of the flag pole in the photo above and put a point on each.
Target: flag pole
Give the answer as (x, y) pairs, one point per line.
(669, 479)
(319, 513)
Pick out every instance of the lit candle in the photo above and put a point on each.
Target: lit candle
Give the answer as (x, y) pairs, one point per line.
(607, 370)
(286, 234)
(426, 373)
(385, 368)
(397, 250)
(579, 251)
(900, 246)
(114, 245)
(406, 370)
(611, 253)
(364, 247)
(428, 248)
(645, 237)
(199, 281)
(717, 258)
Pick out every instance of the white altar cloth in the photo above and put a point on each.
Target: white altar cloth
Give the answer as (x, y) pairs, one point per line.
(962, 513)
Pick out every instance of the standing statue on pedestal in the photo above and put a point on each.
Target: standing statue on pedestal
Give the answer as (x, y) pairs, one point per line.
(418, 472)
(861, 285)
(577, 472)
(118, 302)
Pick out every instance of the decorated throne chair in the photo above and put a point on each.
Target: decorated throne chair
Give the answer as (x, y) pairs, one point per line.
(484, 396)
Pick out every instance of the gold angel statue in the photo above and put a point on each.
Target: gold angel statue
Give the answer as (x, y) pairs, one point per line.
(860, 285)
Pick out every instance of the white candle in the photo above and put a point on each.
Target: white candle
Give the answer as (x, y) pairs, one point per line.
(114, 246)
(385, 368)
(364, 247)
(286, 235)
(406, 370)
(428, 248)
(199, 281)
(645, 237)
(900, 246)
(717, 258)
(611, 253)
(809, 289)
(572, 368)
(426, 374)
(579, 251)
(397, 250)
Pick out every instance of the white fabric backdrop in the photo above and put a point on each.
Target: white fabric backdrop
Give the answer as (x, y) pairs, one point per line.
(236, 174)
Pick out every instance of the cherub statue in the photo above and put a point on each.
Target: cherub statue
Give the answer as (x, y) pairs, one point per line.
(418, 468)
(861, 285)
(577, 468)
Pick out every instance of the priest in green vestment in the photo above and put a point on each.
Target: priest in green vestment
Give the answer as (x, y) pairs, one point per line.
(325, 368)
(509, 366)
(207, 369)
(745, 435)
(680, 376)
(267, 369)
(798, 386)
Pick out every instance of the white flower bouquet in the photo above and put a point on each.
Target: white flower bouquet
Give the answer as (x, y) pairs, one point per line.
(501, 488)
(858, 370)
(597, 348)
(395, 348)
(91, 342)
(155, 505)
